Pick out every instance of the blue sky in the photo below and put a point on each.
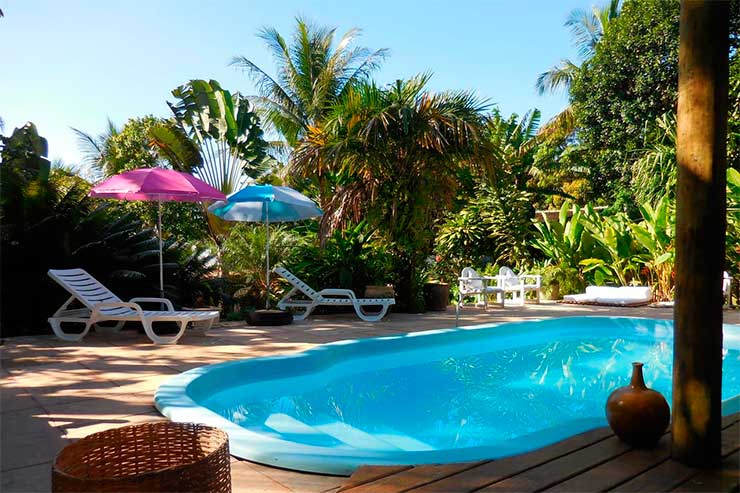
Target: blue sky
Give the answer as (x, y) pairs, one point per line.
(75, 63)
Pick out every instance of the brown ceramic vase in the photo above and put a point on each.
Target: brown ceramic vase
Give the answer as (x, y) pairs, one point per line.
(638, 415)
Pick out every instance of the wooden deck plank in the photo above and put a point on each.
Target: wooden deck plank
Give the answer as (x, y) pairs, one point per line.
(413, 478)
(592, 461)
(563, 468)
(730, 439)
(725, 479)
(614, 472)
(671, 474)
(490, 472)
(368, 474)
(664, 477)
(729, 419)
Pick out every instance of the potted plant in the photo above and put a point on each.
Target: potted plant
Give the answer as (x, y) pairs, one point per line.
(436, 290)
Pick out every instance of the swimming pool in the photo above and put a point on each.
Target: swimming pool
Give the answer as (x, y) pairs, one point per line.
(431, 397)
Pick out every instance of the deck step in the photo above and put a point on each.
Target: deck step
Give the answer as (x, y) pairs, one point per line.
(355, 437)
(291, 428)
(295, 430)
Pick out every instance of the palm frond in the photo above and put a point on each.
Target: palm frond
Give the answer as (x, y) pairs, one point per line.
(557, 78)
(586, 29)
(560, 126)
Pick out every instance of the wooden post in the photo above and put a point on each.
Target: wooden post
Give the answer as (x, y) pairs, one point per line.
(701, 150)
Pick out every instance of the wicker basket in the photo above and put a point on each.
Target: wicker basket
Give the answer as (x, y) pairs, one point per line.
(161, 456)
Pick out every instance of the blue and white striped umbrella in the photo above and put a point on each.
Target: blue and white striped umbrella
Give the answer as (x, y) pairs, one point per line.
(266, 204)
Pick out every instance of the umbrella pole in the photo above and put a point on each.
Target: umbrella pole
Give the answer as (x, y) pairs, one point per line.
(159, 233)
(267, 251)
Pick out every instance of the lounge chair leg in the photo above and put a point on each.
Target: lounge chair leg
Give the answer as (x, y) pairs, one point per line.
(163, 339)
(302, 315)
(56, 326)
(374, 317)
(203, 329)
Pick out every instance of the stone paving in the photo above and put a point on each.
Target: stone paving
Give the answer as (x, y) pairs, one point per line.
(54, 392)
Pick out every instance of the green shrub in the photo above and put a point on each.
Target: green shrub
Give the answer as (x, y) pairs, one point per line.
(244, 262)
(350, 259)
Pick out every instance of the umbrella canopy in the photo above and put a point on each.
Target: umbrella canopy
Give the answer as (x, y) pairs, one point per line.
(160, 185)
(156, 184)
(266, 204)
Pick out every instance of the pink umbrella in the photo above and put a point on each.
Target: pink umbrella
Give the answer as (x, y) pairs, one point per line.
(156, 184)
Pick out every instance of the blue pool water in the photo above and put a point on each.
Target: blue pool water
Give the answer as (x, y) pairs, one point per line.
(441, 396)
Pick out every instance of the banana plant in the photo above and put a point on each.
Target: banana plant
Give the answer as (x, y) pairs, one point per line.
(214, 134)
(617, 257)
(732, 240)
(566, 242)
(656, 234)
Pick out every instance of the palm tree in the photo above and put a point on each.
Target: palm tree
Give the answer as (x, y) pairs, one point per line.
(312, 73)
(587, 28)
(394, 152)
(95, 148)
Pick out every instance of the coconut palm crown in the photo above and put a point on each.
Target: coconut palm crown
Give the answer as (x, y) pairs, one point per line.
(312, 73)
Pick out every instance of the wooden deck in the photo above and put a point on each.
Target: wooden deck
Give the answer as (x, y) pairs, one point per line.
(592, 461)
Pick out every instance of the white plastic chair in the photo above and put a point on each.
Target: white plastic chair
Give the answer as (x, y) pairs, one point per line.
(519, 285)
(102, 305)
(726, 287)
(328, 297)
(472, 284)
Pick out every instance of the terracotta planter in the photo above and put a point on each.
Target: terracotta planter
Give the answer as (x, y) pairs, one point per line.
(638, 415)
(436, 296)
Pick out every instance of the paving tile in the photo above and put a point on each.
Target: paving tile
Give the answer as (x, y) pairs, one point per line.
(13, 397)
(105, 408)
(61, 382)
(83, 427)
(28, 439)
(31, 479)
(299, 481)
(245, 478)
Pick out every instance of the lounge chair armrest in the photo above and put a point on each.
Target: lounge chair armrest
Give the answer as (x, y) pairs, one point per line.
(338, 292)
(167, 302)
(117, 304)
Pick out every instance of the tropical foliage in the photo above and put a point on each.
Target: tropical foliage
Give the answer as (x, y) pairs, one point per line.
(415, 183)
(243, 259)
(48, 221)
(391, 149)
(215, 134)
(312, 73)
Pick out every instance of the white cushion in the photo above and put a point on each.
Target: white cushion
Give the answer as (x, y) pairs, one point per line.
(613, 295)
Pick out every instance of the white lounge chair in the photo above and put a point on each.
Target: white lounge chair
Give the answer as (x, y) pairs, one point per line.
(102, 305)
(612, 296)
(328, 297)
(472, 284)
(519, 285)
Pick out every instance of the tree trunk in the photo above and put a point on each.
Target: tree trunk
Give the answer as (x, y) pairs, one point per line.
(700, 231)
